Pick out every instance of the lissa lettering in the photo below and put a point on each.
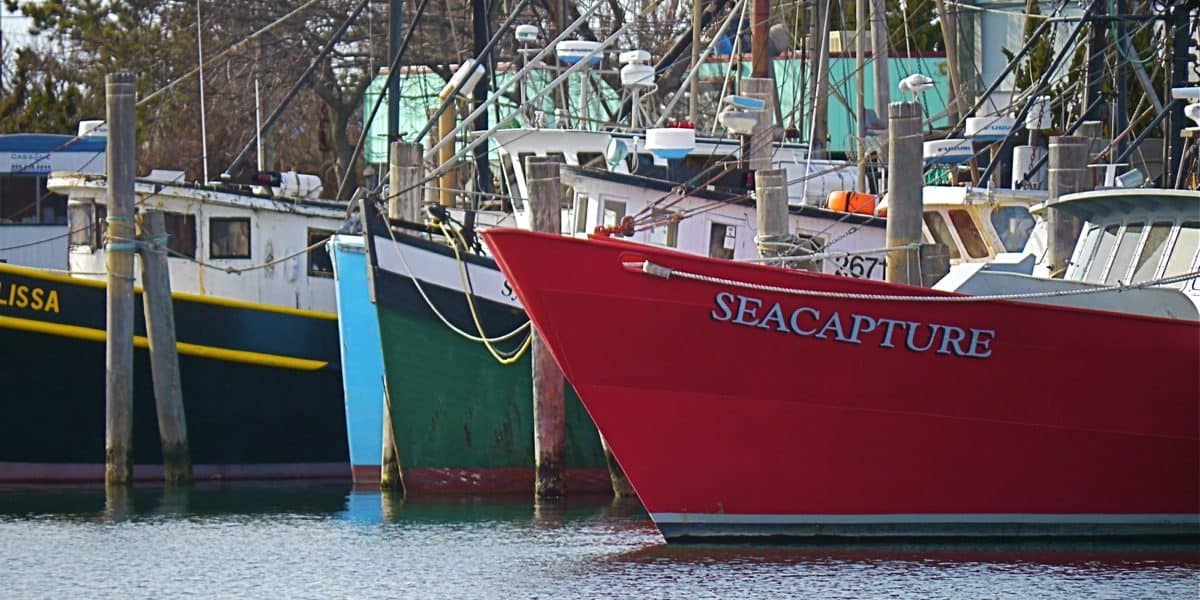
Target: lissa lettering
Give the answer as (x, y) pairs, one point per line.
(28, 297)
(852, 328)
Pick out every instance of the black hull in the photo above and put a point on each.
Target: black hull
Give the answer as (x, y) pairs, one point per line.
(261, 387)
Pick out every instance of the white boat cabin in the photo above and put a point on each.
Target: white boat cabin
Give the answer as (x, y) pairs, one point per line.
(222, 229)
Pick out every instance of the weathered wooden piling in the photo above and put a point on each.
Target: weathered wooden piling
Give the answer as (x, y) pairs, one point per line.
(164, 357)
(904, 183)
(770, 199)
(120, 166)
(549, 408)
(1067, 175)
(389, 465)
(404, 177)
(620, 484)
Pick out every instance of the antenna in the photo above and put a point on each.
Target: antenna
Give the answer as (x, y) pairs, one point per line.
(258, 125)
(203, 125)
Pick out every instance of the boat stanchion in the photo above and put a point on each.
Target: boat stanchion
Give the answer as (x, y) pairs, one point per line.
(118, 385)
(164, 356)
(549, 408)
(904, 192)
(1067, 175)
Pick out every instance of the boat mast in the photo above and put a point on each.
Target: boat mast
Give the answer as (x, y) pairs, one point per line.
(479, 31)
(860, 109)
(820, 89)
(395, 33)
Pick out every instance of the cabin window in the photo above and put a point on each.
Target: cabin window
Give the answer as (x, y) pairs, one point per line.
(614, 211)
(809, 244)
(1152, 251)
(1124, 254)
(521, 156)
(18, 199)
(591, 160)
(969, 234)
(581, 213)
(181, 234)
(81, 224)
(666, 230)
(1184, 252)
(319, 263)
(941, 232)
(1075, 269)
(229, 237)
(1014, 225)
(722, 240)
(1104, 248)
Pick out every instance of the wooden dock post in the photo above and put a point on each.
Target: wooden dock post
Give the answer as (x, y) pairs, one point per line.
(389, 465)
(549, 408)
(164, 357)
(762, 140)
(404, 176)
(118, 392)
(1067, 175)
(904, 183)
(770, 200)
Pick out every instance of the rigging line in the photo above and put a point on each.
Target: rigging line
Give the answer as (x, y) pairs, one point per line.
(235, 47)
(428, 302)
(393, 71)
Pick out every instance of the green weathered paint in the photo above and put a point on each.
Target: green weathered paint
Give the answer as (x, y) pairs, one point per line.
(454, 406)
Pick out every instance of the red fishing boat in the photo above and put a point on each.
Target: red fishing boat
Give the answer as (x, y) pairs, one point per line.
(743, 399)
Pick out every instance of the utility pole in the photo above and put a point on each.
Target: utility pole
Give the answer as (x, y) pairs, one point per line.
(879, 53)
(820, 89)
(694, 89)
(120, 89)
(948, 19)
(860, 112)
(759, 85)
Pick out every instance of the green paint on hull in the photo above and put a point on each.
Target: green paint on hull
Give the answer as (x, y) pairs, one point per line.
(454, 406)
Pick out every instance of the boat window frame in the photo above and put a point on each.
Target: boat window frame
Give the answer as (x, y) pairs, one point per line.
(1110, 276)
(1174, 240)
(709, 239)
(1108, 260)
(1171, 224)
(956, 251)
(979, 235)
(579, 212)
(249, 238)
(602, 216)
(1075, 267)
(671, 229)
(318, 250)
(175, 245)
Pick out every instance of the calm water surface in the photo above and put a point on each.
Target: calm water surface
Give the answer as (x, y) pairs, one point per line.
(325, 541)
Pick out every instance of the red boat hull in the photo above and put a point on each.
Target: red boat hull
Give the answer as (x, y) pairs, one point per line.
(739, 411)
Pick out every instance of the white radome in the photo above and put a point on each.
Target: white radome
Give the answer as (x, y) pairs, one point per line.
(1192, 111)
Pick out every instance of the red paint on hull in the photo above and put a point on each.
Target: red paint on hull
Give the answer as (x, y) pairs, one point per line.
(452, 481)
(1074, 412)
(12, 472)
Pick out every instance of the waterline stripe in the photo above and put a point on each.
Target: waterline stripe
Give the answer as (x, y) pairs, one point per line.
(185, 348)
(933, 518)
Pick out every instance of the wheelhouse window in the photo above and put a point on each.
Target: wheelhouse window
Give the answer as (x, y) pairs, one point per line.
(18, 199)
(81, 225)
(1184, 253)
(1090, 237)
(319, 263)
(1152, 251)
(1014, 225)
(722, 240)
(614, 211)
(969, 234)
(181, 234)
(581, 213)
(1124, 253)
(666, 229)
(1104, 248)
(941, 232)
(591, 160)
(229, 237)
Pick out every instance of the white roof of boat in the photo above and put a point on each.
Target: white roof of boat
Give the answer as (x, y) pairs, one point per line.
(1126, 201)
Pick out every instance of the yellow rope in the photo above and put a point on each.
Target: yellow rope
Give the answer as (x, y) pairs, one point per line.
(462, 274)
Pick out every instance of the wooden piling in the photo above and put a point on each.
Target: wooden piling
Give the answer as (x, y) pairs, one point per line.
(549, 409)
(120, 166)
(1067, 175)
(404, 176)
(904, 182)
(164, 357)
(389, 469)
(770, 199)
(620, 484)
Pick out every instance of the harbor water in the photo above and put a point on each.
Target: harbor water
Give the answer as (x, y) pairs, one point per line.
(327, 541)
